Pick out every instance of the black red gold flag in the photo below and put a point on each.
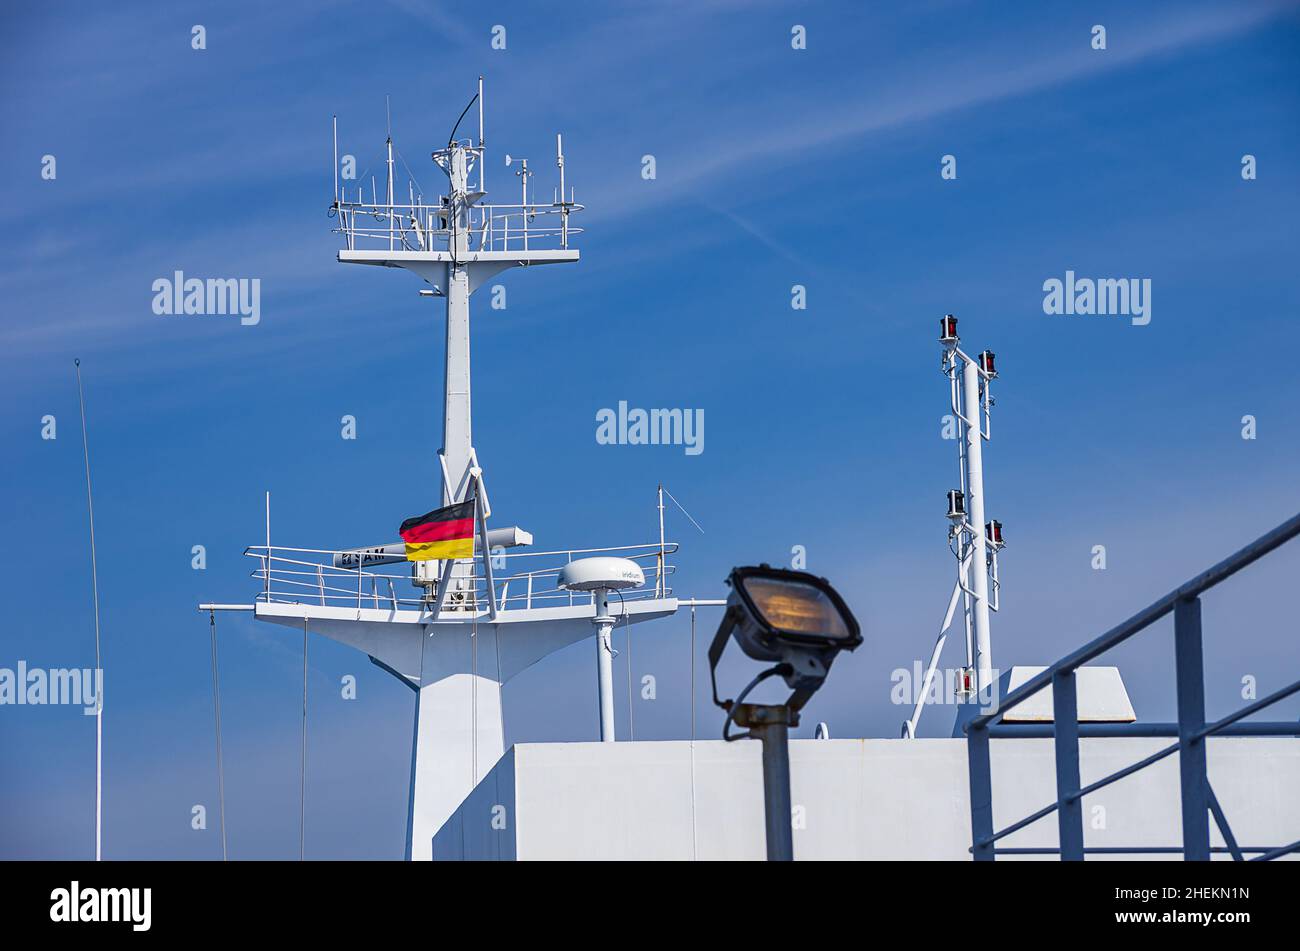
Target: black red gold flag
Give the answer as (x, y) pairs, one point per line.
(444, 533)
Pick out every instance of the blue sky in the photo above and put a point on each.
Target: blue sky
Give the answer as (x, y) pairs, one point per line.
(775, 167)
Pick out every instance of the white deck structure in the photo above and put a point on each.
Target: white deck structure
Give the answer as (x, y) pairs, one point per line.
(853, 799)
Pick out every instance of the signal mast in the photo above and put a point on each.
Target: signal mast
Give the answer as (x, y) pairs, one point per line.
(974, 542)
(471, 628)
(456, 245)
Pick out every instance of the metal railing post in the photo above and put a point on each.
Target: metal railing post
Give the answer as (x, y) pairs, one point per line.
(1069, 804)
(981, 793)
(1221, 821)
(1190, 673)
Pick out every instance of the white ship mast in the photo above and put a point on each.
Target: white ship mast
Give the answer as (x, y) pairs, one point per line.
(473, 624)
(973, 541)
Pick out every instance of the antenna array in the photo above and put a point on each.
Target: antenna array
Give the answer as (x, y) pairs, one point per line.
(419, 226)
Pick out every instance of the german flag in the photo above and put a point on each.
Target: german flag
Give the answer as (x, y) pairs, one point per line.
(444, 533)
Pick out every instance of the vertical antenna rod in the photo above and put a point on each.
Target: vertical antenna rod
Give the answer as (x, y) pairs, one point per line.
(336, 160)
(266, 565)
(564, 208)
(559, 160)
(482, 155)
(216, 707)
(659, 593)
(302, 775)
(99, 670)
(392, 243)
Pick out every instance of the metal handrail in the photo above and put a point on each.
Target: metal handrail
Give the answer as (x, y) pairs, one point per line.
(1149, 615)
(492, 227)
(1198, 800)
(289, 579)
(669, 547)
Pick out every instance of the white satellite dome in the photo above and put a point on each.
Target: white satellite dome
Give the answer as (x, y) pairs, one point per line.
(589, 574)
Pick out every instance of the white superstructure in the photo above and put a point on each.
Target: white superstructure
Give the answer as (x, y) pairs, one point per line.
(457, 631)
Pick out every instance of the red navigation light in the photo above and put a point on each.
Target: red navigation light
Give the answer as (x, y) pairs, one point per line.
(948, 329)
(993, 532)
(986, 364)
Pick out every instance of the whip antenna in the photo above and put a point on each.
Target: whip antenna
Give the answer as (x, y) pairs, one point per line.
(216, 706)
(99, 670)
(302, 776)
(451, 139)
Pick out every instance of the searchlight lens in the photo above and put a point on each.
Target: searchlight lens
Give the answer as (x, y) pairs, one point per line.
(796, 607)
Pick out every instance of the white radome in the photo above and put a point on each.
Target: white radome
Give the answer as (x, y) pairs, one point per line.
(590, 574)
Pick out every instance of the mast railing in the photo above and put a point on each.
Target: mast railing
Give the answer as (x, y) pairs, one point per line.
(421, 227)
(310, 575)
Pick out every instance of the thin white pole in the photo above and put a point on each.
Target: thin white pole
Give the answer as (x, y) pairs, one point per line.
(268, 545)
(482, 157)
(216, 708)
(662, 552)
(692, 688)
(564, 211)
(302, 775)
(979, 563)
(604, 664)
(559, 160)
(99, 668)
(631, 706)
(392, 234)
(336, 159)
(523, 213)
(485, 551)
(694, 828)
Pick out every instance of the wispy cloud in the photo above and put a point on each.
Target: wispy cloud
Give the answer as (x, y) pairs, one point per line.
(445, 25)
(921, 94)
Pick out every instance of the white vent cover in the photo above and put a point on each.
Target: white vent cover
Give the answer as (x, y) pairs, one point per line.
(1099, 690)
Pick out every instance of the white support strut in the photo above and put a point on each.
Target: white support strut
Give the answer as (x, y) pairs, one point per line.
(909, 726)
(605, 663)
